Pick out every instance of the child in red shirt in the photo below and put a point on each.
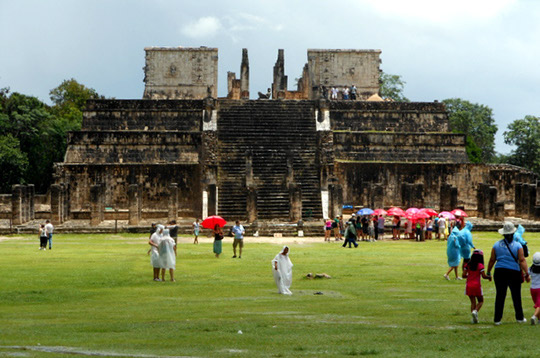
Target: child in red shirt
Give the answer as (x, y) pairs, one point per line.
(473, 271)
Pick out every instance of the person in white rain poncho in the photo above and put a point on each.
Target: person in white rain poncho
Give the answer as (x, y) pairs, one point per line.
(154, 253)
(167, 255)
(282, 270)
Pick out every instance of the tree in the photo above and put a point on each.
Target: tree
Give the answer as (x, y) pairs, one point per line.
(12, 161)
(477, 123)
(392, 87)
(525, 135)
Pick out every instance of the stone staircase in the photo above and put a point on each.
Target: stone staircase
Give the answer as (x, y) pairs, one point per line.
(277, 136)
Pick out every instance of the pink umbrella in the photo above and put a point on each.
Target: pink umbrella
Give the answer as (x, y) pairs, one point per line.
(420, 215)
(379, 212)
(395, 212)
(431, 212)
(459, 212)
(411, 211)
(447, 215)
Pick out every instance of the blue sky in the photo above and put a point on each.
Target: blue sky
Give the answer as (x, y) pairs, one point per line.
(483, 51)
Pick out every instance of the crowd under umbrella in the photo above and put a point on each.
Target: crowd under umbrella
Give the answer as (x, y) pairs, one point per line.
(411, 211)
(447, 215)
(459, 212)
(364, 211)
(420, 215)
(395, 211)
(429, 211)
(379, 212)
(211, 222)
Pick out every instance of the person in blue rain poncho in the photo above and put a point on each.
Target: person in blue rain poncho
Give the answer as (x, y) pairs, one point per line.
(453, 252)
(518, 236)
(466, 243)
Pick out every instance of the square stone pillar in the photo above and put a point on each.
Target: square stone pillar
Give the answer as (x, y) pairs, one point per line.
(16, 203)
(31, 201)
(212, 200)
(56, 204)
(532, 201)
(134, 204)
(96, 204)
(295, 202)
(173, 202)
(24, 204)
(377, 196)
(336, 199)
(251, 204)
(517, 199)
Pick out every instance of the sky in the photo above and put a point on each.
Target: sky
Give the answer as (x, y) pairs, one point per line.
(483, 51)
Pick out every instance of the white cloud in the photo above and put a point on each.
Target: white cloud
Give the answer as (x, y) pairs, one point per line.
(203, 27)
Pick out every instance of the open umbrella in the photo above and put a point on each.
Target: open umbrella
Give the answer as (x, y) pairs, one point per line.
(211, 222)
(411, 211)
(364, 211)
(446, 215)
(431, 212)
(379, 212)
(395, 211)
(459, 212)
(420, 215)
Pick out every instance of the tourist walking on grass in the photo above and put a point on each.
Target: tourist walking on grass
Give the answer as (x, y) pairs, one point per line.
(49, 228)
(42, 237)
(282, 271)
(238, 232)
(196, 229)
(473, 271)
(466, 243)
(167, 255)
(350, 234)
(218, 237)
(452, 253)
(510, 271)
(154, 241)
(534, 271)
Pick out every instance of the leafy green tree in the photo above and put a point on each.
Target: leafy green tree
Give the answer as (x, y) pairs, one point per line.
(392, 87)
(525, 135)
(477, 123)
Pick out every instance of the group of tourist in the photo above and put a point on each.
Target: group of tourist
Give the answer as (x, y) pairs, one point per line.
(365, 228)
(345, 93)
(45, 235)
(162, 241)
(508, 257)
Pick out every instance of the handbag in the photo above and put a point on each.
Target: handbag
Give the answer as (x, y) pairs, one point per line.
(515, 259)
(525, 250)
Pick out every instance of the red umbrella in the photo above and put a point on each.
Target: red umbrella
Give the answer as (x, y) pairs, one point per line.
(395, 212)
(211, 222)
(379, 212)
(459, 212)
(447, 215)
(420, 215)
(411, 211)
(431, 212)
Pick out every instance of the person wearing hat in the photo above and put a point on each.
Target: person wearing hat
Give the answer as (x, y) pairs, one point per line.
(507, 257)
(534, 271)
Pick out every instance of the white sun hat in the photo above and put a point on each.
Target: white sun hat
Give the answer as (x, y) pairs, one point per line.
(508, 228)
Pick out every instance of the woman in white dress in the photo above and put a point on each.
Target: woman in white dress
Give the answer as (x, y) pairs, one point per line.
(154, 252)
(282, 270)
(167, 255)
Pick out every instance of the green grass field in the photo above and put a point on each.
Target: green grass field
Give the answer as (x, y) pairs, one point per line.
(94, 293)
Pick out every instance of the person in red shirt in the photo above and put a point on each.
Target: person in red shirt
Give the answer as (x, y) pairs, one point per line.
(473, 271)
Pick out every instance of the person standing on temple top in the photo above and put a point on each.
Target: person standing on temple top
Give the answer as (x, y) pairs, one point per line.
(333, 93)
(173, 231)
(238, 231)
(345, 93)
(49, 228)
(196, 229)
(353, 92)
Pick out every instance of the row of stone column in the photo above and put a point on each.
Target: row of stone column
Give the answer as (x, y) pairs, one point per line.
(22, 203)
(487, 205)
(526, 197)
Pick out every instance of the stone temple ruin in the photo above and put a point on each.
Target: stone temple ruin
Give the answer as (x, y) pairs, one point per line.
(183, 152)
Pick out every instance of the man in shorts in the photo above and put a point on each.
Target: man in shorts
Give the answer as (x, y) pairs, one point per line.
(442, 226)
(238, 231)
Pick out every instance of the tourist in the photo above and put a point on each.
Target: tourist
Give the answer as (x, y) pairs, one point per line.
(534, 271)
(167, 255)
(473, 270)
(350, 234)
(173, 231)
(409, 229)
(396, 222)
(418, 230)
(510, 270)
(49, 228)
(353, 92)
(365, 224)
(466, 243)
(238, 231)
(518, 236)
(430, 228)
(282, 271)
(196, 228)
(452, 253)
(345, 93)
(341, 225)
(218, 237)
(153, 229)
(441, 229)
(380, 228)
(335, 226)
(42, 237)
(371, 230)
(154, 249)
(333, 93)
(327, 229)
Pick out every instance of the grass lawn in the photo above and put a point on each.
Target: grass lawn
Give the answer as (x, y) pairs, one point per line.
(95, 293)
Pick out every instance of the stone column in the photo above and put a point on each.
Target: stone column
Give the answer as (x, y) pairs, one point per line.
(56, 203)
(295, 202)
(25, 209)
(525, 200)
(377, 196)
(134, 207)
(244, 75)
(212, 200)
(173, 201)
(532, 201)
(336, 199)
(16, 203)
(480, 201)
(96, 204)
(492, 202)
(251, 204)
(31, 203)
(517, 199)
